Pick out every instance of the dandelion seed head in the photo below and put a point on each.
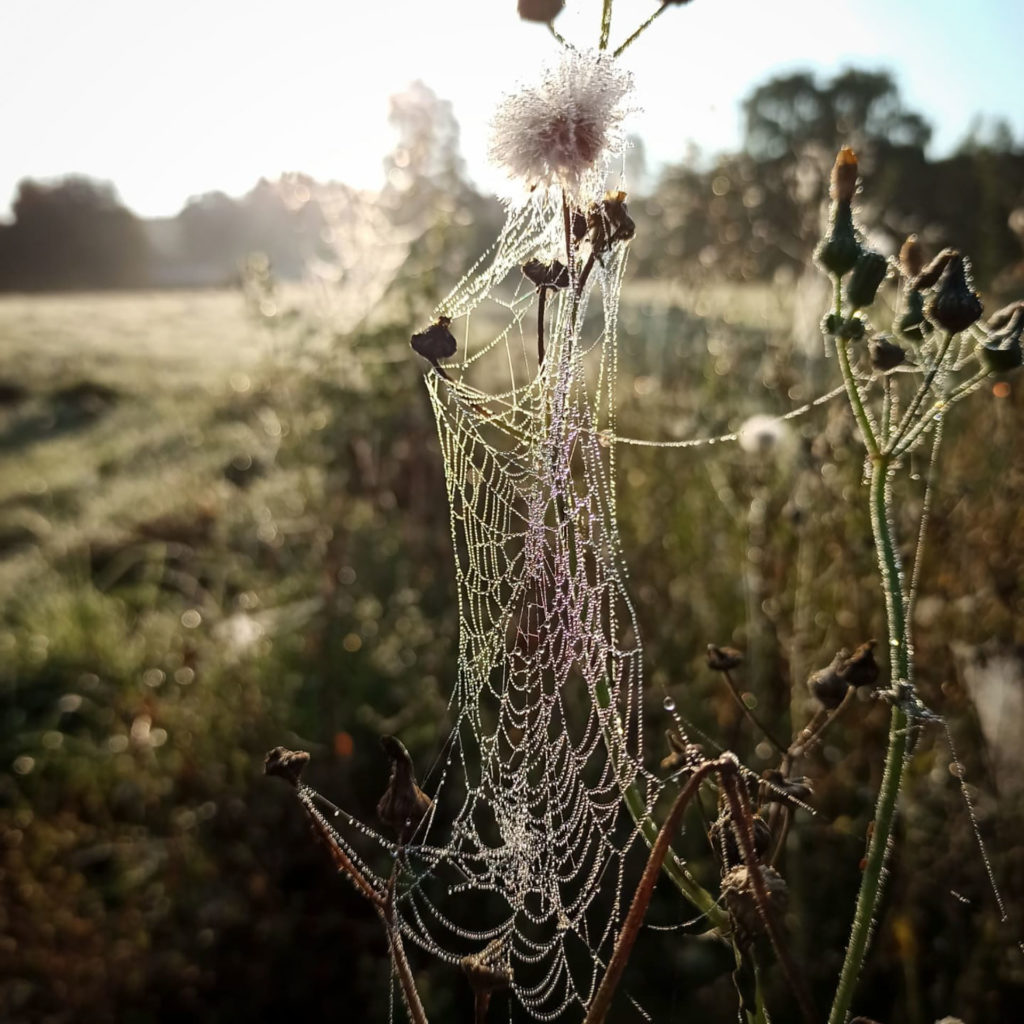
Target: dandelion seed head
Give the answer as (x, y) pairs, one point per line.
(762, 434)
(562, 131)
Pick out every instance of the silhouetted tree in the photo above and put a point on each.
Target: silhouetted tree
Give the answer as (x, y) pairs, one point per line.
(73, 233)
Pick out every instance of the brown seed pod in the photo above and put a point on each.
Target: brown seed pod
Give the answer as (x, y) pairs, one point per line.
(741, 898)
(1002, 317)
(285, 764)
(540, 10)
(404, 805)
(954, 304)
(885, 354)
(828, 684)
(726, 846)
(927, 277)
(608, 222)
(860, 668)
(723, 659)
(911, 257)
(436, 342)
(547, 275)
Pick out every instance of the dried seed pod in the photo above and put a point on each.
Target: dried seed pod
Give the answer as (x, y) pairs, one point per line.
(1003, 351)
(860, 668)
(741, 897)
(436, 342)
(853, 328)
(954, 304)
(547, 275)
(828, 684)
(911, 257)
(1001, 317)
(404, 805)
(608, 222)
(540, 10)
(726, 846)
(868, 273)
(885, 354)
(723, 659)
(831, 322)
(285, 764)
(927, 277)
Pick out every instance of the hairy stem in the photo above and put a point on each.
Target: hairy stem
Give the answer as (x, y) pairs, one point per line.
(908, 417)
(885, 808)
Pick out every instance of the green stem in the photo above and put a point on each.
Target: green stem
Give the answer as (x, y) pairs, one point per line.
(852, 388)
(936, 410)
(885, 808)
(606, 24)
(640, 31)
(908, 416)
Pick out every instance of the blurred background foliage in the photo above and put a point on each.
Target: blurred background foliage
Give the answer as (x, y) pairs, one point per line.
(223, 526)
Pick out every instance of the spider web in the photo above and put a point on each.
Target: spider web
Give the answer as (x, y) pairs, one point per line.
(529, 825)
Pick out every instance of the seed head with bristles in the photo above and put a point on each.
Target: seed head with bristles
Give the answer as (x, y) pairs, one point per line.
(561, 131)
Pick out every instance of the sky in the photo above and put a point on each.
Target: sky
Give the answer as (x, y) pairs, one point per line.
(172, 98)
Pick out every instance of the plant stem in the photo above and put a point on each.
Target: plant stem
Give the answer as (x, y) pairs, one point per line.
(885, 808)
(598, 1009)
(643, 28)
(908, 416)
(606, 24)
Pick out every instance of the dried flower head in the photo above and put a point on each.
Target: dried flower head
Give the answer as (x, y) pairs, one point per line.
(561, 131)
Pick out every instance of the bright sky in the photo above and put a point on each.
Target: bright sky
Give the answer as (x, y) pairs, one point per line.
(168, 98)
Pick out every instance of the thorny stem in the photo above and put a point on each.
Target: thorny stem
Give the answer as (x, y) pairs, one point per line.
(601, 1002)
(739, 808)
(749, 713)
(643, 28)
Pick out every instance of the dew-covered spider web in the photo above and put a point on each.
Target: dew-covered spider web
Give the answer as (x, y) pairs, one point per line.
(529, 823)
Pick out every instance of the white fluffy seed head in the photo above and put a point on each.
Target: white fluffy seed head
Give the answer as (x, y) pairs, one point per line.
(562, 131)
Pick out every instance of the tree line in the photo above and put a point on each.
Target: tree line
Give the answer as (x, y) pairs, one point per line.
(744, 215)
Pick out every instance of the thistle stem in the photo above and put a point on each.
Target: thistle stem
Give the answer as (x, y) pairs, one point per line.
(606, 24)
(922, 391)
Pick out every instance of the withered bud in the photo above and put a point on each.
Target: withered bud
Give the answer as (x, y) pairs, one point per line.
(723, 659)
(840, 249)
(547, 275)
(404, 805)
(1001, 317)
(726, 846)
(912, 324)
(860, 668)
(927, 277)
(954, 305)
(489, 970)
(741, 898)
(285, 764)
(781, 790)
(540, 10)
(885, 354)
(1004, 349)
(828, 685)
(682, 755)
(853, 328)
(911, 257)
(608, 222)
(436, 342)
(868, 273)
(844, 176)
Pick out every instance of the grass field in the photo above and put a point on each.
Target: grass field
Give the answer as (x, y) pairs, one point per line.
(220, 532)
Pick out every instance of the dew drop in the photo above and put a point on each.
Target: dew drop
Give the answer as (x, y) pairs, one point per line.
(669, 704)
